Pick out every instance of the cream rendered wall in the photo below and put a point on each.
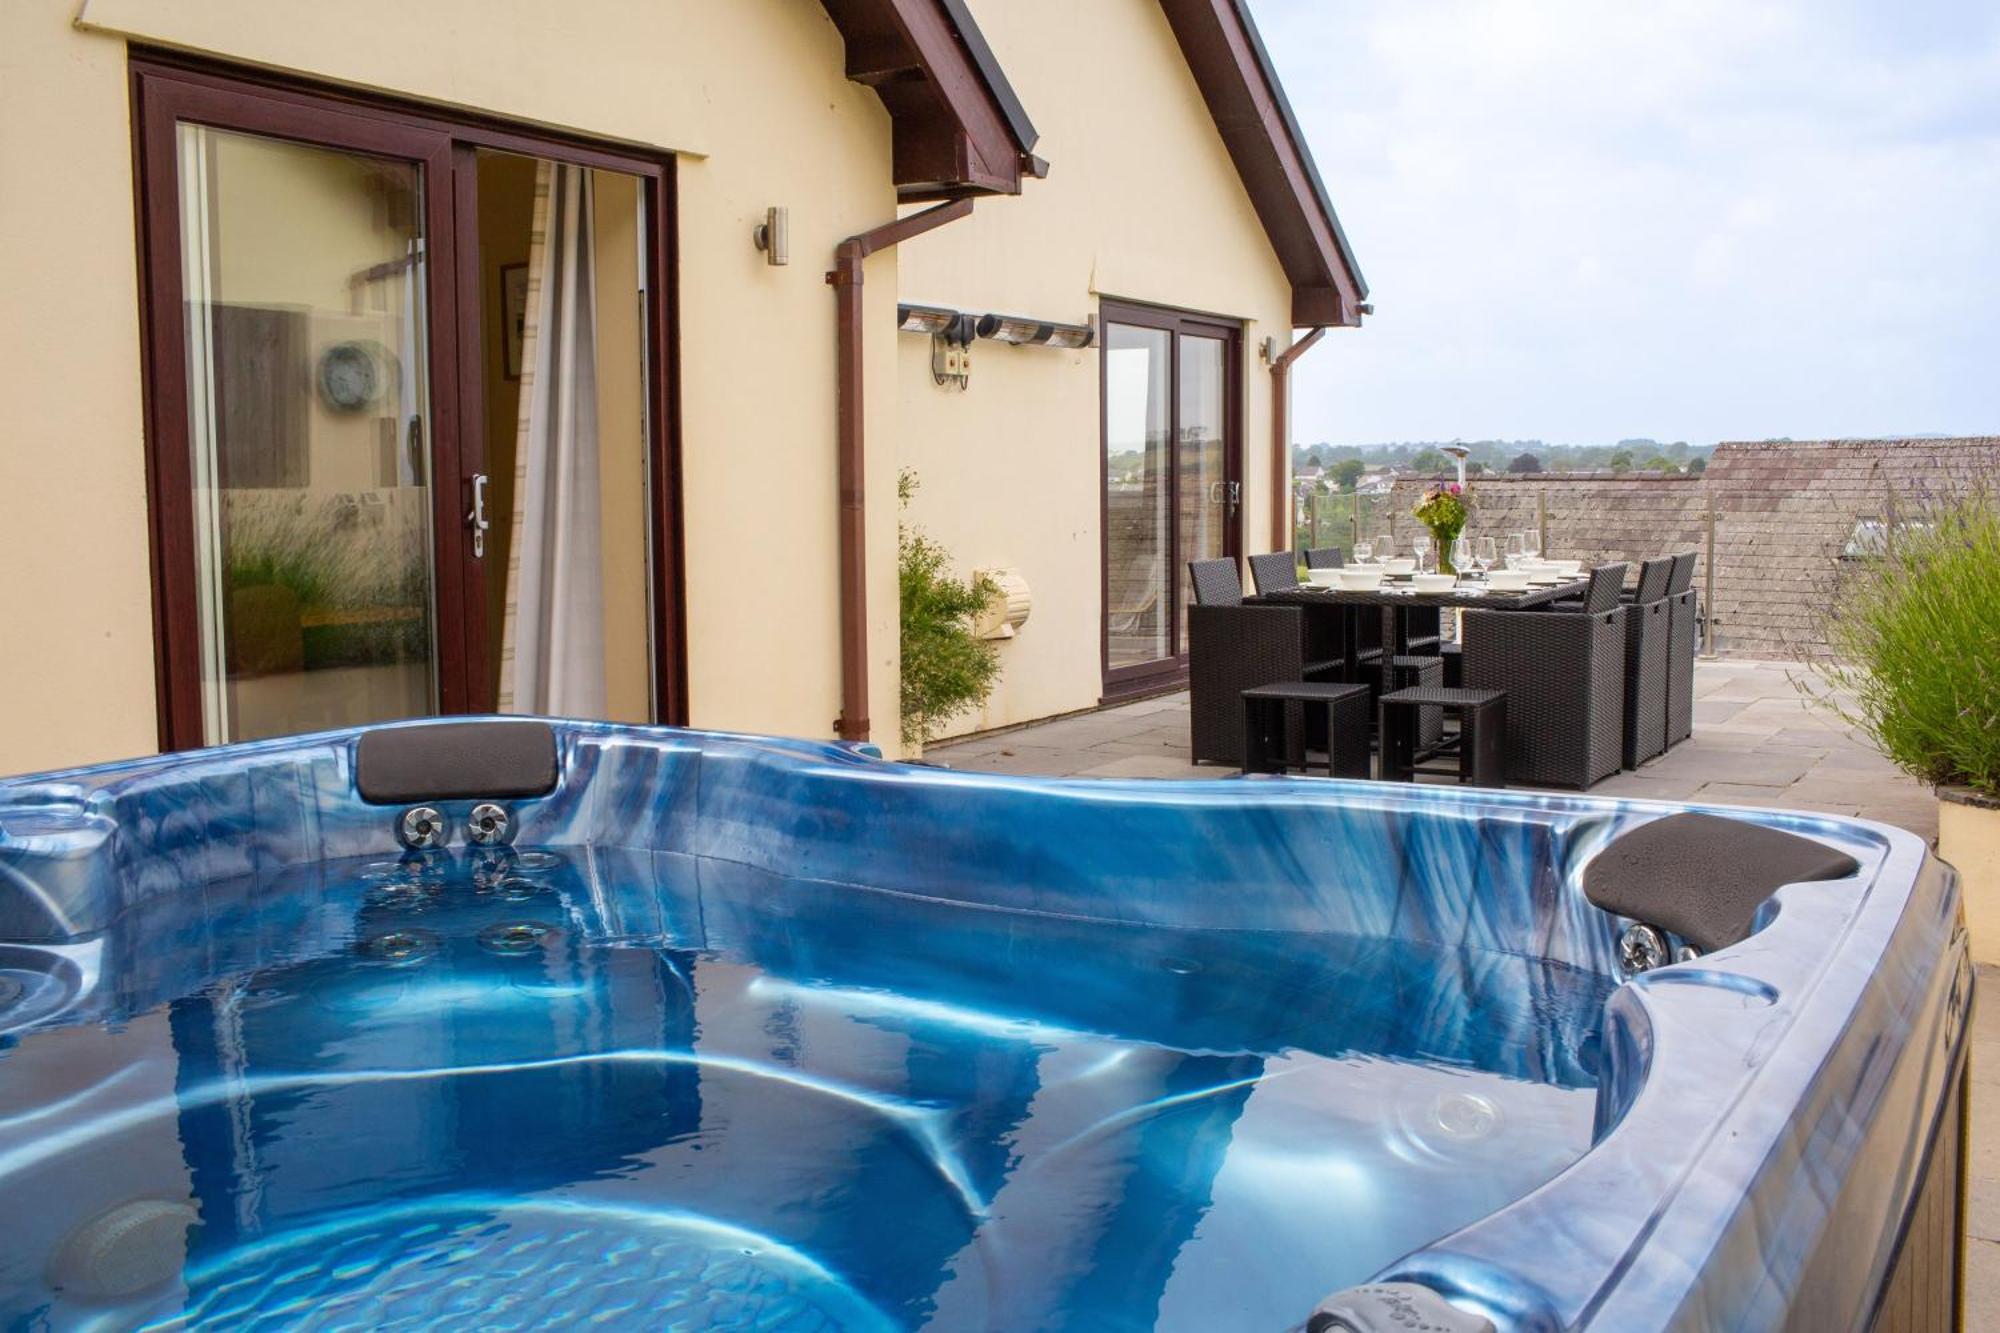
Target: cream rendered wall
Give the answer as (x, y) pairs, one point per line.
(1141, 203)
(752, 95)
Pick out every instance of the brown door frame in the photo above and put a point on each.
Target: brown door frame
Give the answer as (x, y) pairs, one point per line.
(1170, 671)
(167, 90)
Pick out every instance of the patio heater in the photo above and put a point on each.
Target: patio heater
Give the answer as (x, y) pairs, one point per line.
(1460, 453)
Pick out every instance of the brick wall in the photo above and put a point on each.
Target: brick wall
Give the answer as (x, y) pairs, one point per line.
(1784, 511)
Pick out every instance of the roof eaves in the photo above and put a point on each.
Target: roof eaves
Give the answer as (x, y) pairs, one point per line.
(1298, 138)
(995, 78)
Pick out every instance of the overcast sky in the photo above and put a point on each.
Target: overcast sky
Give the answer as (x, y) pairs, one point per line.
(1687, 219)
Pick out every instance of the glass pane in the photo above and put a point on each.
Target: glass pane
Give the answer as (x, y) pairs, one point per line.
(567, 563)
(1138, 493)
(307, 401)
(1204, 486)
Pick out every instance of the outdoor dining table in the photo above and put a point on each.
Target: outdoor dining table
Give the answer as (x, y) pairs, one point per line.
(1394, 600)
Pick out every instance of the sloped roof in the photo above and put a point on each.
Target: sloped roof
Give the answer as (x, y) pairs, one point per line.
(1227, 56)
(959, 128)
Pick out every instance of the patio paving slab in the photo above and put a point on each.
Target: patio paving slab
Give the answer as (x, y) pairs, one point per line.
(1757, 742)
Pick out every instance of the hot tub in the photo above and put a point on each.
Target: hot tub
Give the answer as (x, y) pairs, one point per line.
(666, 1028)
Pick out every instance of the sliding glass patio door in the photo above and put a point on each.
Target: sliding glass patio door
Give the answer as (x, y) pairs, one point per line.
(1172, 486)
(405, 407)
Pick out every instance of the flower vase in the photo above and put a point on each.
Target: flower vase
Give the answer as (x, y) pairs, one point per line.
(1443, 540)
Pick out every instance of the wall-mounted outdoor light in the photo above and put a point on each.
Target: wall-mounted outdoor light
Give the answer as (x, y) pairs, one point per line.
(1035, 332)
(774, 236)
(951, 334)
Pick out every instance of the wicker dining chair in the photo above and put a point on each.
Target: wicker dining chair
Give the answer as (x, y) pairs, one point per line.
(1216, 582)
(1681, 635)
(1646, 664)
(1234, 646)
(1325, 557)
(1274, 572)
(1564, 674)
(1594, 595)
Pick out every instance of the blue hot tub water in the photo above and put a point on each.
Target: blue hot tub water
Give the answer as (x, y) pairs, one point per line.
(441, 1088)
(759, 1034)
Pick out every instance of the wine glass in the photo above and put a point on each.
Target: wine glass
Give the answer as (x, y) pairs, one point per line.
(1486, 554)
(1420, 547)
(1462, 558)
(1364, 552)
(1385, 546)
(1531, 543)
(1515, 549)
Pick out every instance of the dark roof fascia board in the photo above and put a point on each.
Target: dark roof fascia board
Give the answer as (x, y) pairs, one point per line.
(959, 127)
(1298, 137)
(1232, 69)
(988, 65)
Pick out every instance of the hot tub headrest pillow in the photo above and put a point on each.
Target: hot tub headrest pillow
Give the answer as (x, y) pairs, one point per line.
(1702, 877)
(448, 761)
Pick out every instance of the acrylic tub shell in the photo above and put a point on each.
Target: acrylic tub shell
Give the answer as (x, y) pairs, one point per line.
(1763, 1113)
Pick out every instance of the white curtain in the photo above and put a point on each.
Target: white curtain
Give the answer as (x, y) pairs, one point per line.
(552, 641)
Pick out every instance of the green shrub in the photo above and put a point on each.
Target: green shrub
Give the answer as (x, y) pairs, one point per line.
(1915, 634)
(946, 667)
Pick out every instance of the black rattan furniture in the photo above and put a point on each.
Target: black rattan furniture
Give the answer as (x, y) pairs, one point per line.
(1216, 582)
(1646, 664)
(1234, 646)
(1593, 594)
(1681, 620)
(1564, 674)
(1392, 609)
(1274, 572)
(1419, 671)
(1482, 729)
(1325, 557)
(1279, 719)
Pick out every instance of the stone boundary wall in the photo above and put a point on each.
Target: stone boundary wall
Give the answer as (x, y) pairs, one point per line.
(1784, 512)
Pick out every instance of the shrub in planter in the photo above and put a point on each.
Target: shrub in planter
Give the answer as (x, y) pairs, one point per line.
(946, 667)
(1916, 636)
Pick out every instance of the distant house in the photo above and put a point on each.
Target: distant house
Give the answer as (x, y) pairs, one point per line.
(1308, 473)
(454, 366)
(1378, 481)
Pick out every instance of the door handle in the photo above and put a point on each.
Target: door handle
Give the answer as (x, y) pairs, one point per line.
(1235, 492)
(477, 518)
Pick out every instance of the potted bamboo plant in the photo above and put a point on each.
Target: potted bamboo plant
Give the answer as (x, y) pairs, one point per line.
(1915, 637)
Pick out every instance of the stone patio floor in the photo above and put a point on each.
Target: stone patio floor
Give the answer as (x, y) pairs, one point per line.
(1756, 742)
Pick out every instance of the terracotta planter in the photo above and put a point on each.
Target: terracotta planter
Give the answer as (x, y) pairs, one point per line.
(1969, 838)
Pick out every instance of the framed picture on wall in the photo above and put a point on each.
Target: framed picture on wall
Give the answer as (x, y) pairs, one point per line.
(513, 317)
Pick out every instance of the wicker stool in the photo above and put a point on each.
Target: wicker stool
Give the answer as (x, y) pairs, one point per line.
(1412, 670)
(1270, 745)
(1482, 733)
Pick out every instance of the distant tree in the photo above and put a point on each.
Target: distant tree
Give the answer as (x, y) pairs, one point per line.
(1697, 465)
(1429, 460)
(1621, 461)
(1524, 462)
(1658, 464)
(1348, 471)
